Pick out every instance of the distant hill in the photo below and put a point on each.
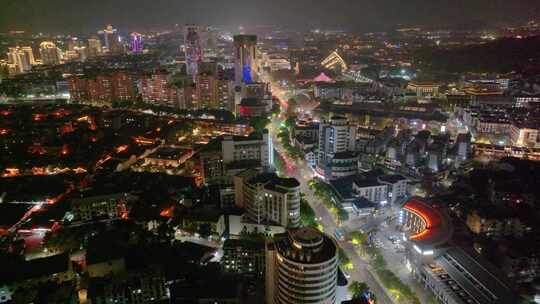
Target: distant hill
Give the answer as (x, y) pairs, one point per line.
(502, 56)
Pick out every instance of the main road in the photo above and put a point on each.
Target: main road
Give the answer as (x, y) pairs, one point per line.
(300, 170)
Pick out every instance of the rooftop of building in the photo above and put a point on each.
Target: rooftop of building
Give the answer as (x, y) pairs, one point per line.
(423, 83)
(343, 186)
(363, 203)
(43, 267)
(345, 155)
(305, 245)
(392, 178)
(251, 243)
(470, 279)
(438, 225)
(87, 197)
(250, 137)
(303, 125)
(193, 291)
(251, 102)
(305, 140)
(170, 153)
(243, 164)
(361, 182)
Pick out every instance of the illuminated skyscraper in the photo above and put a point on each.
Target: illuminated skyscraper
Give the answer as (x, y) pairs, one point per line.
(50, 54)
(82, 53)
(21, 59)
(94, 47)
(111, 39)
(245, 59)
(136, 43)
(192, 49)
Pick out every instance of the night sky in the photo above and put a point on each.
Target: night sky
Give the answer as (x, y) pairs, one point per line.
(362, 15)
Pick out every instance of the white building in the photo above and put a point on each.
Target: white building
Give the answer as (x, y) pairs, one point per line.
(253, 147)
(267, 198)
(301, 267)
(371, 189)
(335, 136)
(397, 185)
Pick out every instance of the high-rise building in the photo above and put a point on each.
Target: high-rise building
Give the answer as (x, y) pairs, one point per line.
(335, 136)
(301, 267)
(111, 39)
(136, 43)
(245, 59)
(212, 91)
(208, 41)
(103, 88)
(192, 49)
(82, 53)
(94, 47)
(50, 54)
(21, 58)
(267, 198)
(155, 88)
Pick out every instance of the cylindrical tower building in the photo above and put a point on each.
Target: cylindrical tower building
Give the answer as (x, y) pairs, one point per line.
(302, 267)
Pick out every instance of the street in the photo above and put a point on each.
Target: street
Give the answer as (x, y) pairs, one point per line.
(300, 170)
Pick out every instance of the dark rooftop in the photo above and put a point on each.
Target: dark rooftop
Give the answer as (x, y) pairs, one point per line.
(392, 178)
(305, 245)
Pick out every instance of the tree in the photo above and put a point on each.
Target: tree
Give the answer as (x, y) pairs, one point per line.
(205, 230)
(343, 215)
(358, 238)
(307, 215)
(357, 289)
(259, 123)
(292, 105)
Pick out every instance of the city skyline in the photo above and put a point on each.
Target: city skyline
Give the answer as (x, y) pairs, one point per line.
(364, 15)
(347, 152)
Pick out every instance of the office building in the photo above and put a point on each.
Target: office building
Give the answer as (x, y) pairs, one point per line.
(301, 267)
(21, 59)
(102, 88)
(212, 91)
(81, 53)
(253, 147)
(111, 40)
(94, 47)
(335, 136)
(245, 59)
(267, 198)
(136, 43)
(155, 88)
(50, 54)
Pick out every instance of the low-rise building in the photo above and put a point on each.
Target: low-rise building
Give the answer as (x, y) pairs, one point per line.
(111, 206)
(168, 157)
(244, 256)
(398, 187)
(457, 277)
(525, 134)
(424, 89)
